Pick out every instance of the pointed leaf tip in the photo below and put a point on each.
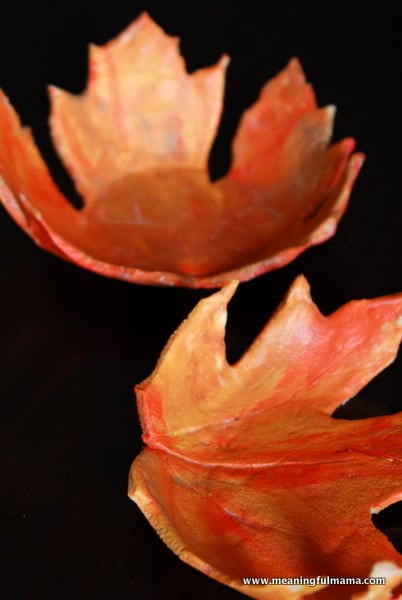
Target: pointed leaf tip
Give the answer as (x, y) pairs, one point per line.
(136, 101)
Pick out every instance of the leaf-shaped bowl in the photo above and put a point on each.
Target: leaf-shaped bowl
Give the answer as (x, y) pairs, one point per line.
(245, 473)
(136, 144)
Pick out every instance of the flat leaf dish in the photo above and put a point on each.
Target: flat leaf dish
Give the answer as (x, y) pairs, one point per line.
(136, 144)
(245, 472)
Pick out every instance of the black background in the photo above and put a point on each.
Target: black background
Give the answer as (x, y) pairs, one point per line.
(73, 343)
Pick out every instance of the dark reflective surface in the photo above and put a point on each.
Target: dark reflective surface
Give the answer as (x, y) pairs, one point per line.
(389, 521)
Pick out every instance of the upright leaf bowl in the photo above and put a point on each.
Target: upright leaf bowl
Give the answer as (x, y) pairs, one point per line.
(136, 144)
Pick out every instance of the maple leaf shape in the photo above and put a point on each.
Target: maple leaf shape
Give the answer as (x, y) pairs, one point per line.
(136, 143)
(246, 474)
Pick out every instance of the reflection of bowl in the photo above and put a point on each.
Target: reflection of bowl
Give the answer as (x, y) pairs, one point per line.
(136, 144)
